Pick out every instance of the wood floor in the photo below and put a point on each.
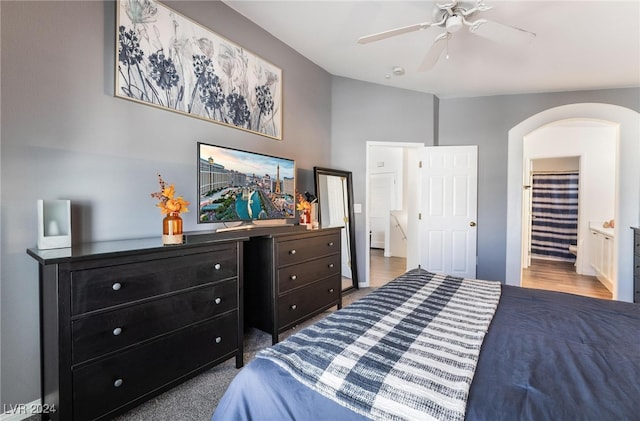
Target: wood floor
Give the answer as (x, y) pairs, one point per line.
(542, 274)
(384, 269)
(562, 277)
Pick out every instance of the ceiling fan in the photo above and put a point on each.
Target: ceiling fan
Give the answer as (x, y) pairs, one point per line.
(451, 17)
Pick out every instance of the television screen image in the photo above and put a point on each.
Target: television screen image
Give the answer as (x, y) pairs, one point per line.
(235, 185)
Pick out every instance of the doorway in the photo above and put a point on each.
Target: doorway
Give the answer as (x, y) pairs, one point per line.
(571, 166)
(627, 186)
(438, 199)
(391, 188)
(553, 214)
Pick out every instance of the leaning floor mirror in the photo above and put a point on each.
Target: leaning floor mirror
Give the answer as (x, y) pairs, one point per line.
(334, 191)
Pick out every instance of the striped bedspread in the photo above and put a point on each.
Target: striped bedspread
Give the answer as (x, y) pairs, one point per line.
(406, 351)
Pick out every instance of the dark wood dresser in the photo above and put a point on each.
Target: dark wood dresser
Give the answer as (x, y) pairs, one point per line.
(124, 321)
(636, 265)
(291, 277)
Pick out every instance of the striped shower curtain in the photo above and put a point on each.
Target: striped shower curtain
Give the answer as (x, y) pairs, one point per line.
(554, 215)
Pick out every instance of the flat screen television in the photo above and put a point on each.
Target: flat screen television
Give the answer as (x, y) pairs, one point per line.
(236, 185)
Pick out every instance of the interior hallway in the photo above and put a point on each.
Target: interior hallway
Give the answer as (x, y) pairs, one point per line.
(562, 277)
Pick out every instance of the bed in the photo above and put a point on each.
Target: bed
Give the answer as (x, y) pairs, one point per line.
(428, 346)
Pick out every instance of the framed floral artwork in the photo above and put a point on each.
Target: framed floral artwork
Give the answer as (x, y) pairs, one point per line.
(167, 60)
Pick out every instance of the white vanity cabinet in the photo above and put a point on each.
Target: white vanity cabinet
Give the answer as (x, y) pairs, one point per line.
(602, 251)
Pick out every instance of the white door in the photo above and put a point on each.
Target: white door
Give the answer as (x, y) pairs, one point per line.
(381, 193)
(448, 216)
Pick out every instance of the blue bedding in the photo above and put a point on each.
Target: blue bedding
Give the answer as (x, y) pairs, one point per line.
(546, 356)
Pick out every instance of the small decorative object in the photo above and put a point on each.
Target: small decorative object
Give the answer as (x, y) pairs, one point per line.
(313, 210)
(169, 61)
(172, 207)
(304, 209)
(314, 214)
(54, 224)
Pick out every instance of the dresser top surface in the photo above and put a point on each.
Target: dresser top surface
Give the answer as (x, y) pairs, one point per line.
(86, 251)
(115, 248)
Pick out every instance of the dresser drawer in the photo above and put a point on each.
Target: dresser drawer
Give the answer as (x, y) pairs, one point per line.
(109, 331)
(93, 289)
(299, 304)
(295, 276)
(107, 385)
(299, 250)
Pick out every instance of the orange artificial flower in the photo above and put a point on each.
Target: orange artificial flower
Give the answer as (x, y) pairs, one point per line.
(303, 204)
(167, 202)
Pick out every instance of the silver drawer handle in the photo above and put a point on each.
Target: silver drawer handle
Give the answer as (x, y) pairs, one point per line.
(116, 286)
(217, 266)
(330, 265)
(117, 331)
(330, 244)
(330, 290)
(218, 300)
(292, 251)
(293, 306)
(218, 339)
(293, 277)
(118, 383)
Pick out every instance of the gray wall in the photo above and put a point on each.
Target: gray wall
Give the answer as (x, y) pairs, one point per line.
(65, 136)
(486, 121)
(365, 112)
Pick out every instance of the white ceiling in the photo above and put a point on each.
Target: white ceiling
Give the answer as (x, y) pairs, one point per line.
(579, 44)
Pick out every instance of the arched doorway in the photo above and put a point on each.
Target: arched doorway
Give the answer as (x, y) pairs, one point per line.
(627, 207)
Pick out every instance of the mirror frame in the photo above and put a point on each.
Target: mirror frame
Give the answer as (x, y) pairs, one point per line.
(351, 231)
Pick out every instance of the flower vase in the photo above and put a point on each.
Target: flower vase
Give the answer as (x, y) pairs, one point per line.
(305, 218)
(172, 229)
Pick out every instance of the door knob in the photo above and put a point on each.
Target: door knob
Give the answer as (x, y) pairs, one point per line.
(472, 224)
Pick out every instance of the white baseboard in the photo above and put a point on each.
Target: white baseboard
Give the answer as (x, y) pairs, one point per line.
(608, 284)
(19, 412)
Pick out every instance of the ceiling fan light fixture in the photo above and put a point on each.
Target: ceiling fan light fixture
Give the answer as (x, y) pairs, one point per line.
(454, 23)
(451, 17)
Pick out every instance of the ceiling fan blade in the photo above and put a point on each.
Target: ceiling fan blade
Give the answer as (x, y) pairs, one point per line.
(448, 7)
(393, 32)
(438, 46)
(500, 33)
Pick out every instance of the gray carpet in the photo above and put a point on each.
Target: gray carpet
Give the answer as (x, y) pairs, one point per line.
(196, 399)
